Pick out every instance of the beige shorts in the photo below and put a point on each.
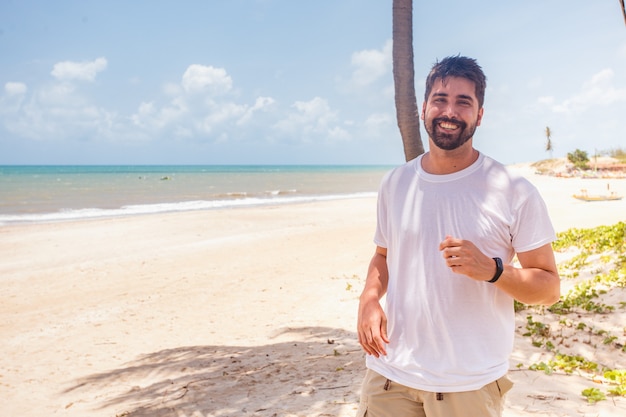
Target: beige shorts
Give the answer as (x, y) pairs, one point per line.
(383, 398)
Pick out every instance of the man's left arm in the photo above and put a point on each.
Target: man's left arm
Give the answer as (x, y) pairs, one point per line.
(537, 282)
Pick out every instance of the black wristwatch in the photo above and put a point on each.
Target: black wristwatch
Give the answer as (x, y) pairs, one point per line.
(499, 270)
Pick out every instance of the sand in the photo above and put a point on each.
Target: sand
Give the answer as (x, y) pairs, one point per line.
(243, 312)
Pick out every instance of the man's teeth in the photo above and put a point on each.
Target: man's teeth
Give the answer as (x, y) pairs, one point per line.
(449, 126)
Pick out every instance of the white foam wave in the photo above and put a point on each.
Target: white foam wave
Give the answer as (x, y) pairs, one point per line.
(131, 210)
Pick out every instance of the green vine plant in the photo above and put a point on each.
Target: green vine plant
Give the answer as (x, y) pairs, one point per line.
(607, 246)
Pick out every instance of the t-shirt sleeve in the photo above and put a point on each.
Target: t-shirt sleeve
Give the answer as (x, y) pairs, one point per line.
(533, 227)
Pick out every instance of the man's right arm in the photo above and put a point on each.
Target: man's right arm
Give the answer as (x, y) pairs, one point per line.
(372, 321)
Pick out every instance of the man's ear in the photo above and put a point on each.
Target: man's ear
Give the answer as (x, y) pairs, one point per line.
(480, 116)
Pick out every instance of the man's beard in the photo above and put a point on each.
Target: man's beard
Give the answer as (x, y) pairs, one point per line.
(453, 140)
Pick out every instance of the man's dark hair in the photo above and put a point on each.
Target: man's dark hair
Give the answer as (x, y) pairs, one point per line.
(462, 67)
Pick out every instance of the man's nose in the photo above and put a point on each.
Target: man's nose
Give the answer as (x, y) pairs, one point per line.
(450, 111)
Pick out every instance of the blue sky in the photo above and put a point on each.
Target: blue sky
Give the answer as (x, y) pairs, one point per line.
(294, 82)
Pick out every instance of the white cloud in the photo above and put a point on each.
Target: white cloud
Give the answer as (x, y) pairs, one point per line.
(377, 125)
(599, 91)
(61, 94)
(150, 118)
(183, 132)
(379, 119)
(338, 133)
(145, 112)
(52, 120)
(196, 107)
(260, 104)
(371, 64)
(199, 78)
(220, 114)
(172, 89)
(175, 111)
(316, 109)
(54, 111)
(314, 116)
(14, 97)
(15, 88)
(84, 71)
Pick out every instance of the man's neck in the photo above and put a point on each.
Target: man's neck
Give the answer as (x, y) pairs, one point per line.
(441, 162)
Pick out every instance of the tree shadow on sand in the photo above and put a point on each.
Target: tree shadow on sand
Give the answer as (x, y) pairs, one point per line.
(316, 371)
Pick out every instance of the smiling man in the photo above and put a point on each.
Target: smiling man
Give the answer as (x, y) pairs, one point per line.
(449, 224)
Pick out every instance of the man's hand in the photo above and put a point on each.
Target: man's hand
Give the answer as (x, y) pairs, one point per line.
(372, 321)
(463, 257)
(372, 327)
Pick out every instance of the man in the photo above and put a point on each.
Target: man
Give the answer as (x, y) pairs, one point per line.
(449, 224)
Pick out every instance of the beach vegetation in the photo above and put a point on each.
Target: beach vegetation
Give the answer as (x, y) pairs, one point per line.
(580, 159)
(593, 395)
(537, 331)
(519, 306)
(583, 296)
(566, 363)
(351, 282)
(595, 240)
(617, 153)
(599, 264)
(618, 379)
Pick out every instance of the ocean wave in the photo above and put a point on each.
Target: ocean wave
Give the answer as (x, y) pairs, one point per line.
(244, 194)
(140, 209)
(281, 192)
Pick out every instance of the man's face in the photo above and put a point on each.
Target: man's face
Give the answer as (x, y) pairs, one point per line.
(451, 113)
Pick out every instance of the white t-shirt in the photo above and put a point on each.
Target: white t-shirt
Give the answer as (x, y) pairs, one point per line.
(448, 332)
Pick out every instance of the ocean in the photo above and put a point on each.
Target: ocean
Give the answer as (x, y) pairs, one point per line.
(35, 194)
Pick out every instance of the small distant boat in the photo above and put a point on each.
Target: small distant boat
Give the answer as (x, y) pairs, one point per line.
(597, 197)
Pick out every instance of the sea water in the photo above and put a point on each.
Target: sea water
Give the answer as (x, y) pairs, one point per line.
(55, 193)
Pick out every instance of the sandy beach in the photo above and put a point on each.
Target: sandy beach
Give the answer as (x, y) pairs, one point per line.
(240, 312)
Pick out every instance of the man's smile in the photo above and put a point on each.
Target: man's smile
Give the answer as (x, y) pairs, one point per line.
(448, 126)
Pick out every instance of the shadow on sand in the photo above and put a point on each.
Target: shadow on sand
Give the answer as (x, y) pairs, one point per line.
(313, 371)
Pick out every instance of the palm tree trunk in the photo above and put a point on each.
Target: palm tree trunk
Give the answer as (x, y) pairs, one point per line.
(404, 79)
(623, 10)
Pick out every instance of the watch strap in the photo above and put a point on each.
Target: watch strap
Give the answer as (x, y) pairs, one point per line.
(499, 270)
